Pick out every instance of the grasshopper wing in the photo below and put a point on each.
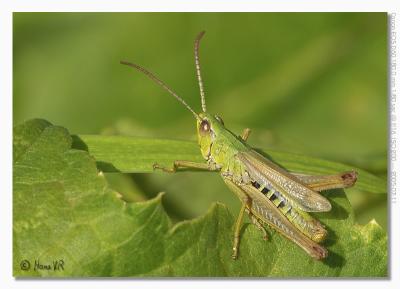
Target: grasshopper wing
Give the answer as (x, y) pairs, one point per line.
(266, 173)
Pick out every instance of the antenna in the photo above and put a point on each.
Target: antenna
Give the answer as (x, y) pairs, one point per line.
(198, 73)
(162, 84)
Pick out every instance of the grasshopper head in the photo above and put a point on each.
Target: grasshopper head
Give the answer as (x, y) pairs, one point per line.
(208, 126)
(208, 129)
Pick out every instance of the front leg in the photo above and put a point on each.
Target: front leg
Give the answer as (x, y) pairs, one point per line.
(185, 164)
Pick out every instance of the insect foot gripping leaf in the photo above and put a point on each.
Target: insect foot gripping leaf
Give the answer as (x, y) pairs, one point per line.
(66, 222)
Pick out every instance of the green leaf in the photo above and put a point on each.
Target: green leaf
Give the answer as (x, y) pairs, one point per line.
(63, 210)
(137, 155)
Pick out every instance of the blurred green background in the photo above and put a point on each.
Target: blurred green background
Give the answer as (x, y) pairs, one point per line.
(309, 83)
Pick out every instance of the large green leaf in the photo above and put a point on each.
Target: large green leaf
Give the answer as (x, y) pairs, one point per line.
(63, 210)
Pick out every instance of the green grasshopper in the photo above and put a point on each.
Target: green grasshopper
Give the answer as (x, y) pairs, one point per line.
(269, 194)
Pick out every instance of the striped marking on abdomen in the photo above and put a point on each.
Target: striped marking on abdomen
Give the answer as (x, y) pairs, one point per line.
(275, 197)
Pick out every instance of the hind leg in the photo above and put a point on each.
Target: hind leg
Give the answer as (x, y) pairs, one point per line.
(258, 224)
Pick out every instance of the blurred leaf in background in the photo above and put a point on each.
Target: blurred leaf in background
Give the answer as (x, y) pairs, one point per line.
(308, 83)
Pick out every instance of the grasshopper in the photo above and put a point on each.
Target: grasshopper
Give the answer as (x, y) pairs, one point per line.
(270, 195)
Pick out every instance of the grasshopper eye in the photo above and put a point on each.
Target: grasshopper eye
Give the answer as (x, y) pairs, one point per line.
(205, 126)
(217, 117)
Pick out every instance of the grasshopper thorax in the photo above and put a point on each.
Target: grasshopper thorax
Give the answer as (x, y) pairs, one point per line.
(208, 129)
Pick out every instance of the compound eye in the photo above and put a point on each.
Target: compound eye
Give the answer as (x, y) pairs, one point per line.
(205, 126)
(217, 117)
